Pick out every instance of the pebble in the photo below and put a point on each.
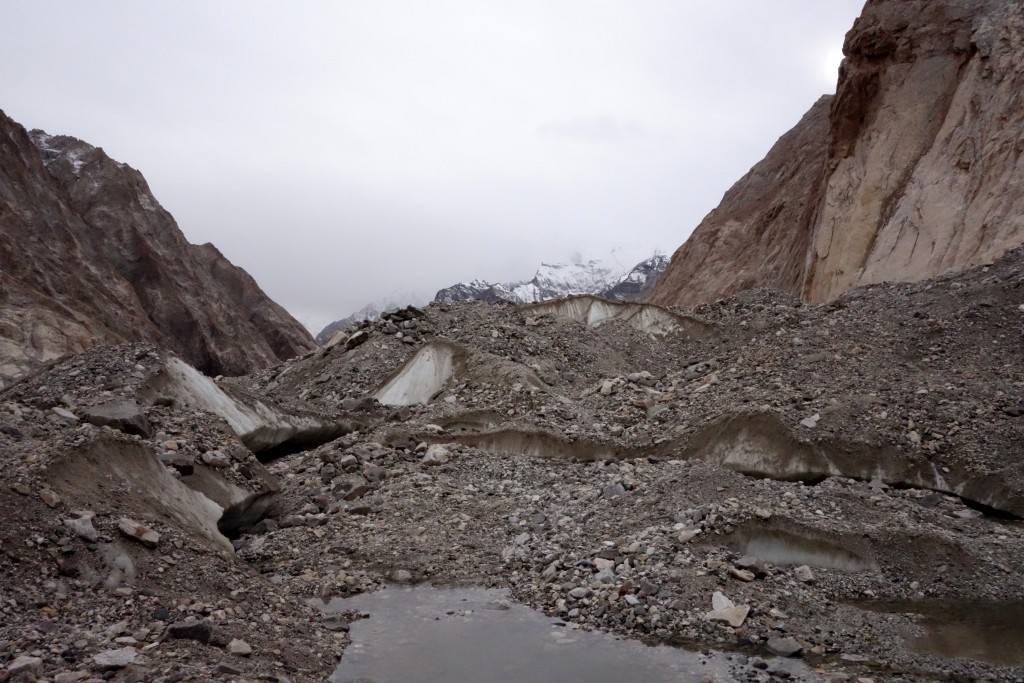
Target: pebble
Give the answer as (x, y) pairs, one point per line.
(239, 647)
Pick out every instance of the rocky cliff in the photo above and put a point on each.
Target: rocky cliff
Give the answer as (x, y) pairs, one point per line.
(88, 256)
(914, 168)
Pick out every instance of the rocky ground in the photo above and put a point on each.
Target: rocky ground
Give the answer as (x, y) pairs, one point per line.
(611, 477)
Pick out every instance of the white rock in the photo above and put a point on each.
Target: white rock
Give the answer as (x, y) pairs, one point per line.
(734, 616)
(687, 535)
(811, 422)
(117, 659)
(239, 647)
(436, 455)
(803, 574)
(720, 602)
(83, 527)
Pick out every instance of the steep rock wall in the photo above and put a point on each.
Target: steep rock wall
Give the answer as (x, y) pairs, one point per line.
(916, 170)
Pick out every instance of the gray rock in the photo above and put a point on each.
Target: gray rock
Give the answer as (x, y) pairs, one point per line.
(804, 574)
(614, 491)
(200, 631)
(336, 622)
(24, 664)
(784, 647)
(401, 576)
(64, 415)
(125, 416)
(752, 564)
(356, 339)
(239, 647)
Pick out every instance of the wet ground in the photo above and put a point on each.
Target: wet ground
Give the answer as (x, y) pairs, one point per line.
(984, 631)
(433, 635)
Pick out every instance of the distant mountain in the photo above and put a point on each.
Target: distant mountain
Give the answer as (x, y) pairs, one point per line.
(606, 277)
(613, 277)
(371, 312)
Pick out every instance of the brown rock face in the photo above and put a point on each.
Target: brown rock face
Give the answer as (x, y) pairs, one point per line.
(88, 256)
(914, 168)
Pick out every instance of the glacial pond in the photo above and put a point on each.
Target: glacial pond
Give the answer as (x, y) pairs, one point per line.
(982, 630)
(431, 635)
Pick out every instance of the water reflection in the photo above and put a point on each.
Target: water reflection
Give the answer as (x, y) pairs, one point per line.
(982, 630)
(432, 635)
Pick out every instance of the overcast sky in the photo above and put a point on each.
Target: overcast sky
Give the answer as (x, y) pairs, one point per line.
(342, 151)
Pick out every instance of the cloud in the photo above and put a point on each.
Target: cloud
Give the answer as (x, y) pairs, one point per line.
(339, 151)
(598, 129)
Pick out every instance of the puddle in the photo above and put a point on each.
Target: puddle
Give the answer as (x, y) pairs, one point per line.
(981, 630)
(786, 548)
(433, 635)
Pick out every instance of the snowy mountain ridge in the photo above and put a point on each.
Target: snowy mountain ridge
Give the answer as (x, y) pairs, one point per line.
(613, 277)
(606, 277)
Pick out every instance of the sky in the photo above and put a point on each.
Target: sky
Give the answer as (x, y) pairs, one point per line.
(346, 152)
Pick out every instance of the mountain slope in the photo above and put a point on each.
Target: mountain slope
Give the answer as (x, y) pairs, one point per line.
(88, 256)
(912, 169)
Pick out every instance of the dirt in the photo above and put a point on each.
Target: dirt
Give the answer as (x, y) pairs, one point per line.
(876, 436)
